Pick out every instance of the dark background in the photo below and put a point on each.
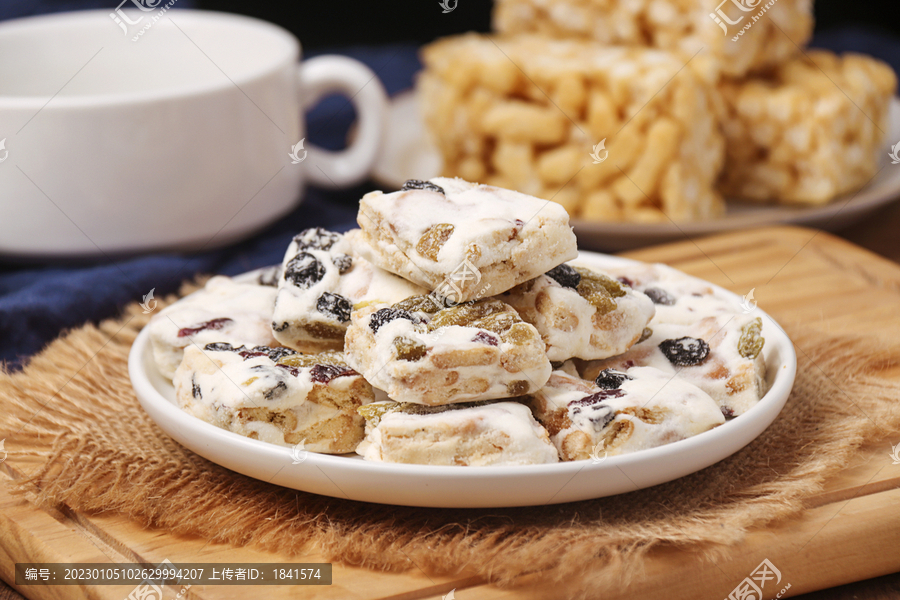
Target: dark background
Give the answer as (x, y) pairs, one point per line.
(330, 23)
(325, 23)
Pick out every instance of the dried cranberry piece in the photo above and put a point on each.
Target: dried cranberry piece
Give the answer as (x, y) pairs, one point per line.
(486, 338)
(625, 281)
(343, 262)
(685, 351)
(565, 276)
(292, 370)
(418, 184)
(325, 373)
(597, 398)
(212, 324)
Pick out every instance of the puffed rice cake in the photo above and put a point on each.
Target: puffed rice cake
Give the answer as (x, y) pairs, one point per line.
(536, 115)
(811, 130)
(719, 37)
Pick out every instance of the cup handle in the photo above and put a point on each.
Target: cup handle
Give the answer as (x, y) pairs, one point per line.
(327, 74)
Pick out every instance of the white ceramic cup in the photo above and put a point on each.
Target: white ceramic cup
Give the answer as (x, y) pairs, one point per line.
(163, 129)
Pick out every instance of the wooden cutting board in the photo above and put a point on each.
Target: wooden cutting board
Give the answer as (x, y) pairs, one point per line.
(849, 532)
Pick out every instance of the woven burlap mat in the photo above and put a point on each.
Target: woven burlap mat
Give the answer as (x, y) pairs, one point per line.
(73, 409)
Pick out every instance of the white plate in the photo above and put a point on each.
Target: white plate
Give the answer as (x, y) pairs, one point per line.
(409, 153)
(348, 476)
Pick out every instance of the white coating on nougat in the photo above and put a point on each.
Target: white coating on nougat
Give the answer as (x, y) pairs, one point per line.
(296, 307)
(215, 385)
(699, 311)
(673, 408)
(506, 236)
(571, 326)
(486, 371)
(496, 434)
(248, 305)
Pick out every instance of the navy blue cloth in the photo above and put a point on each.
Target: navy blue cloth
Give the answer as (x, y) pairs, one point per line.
(38, 302)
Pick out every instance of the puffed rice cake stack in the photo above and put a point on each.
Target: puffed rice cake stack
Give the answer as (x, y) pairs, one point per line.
(809, 131)
(714, 37)
(528, 112)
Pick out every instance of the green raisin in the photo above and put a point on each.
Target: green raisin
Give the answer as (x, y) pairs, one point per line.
(309, 360)
(408, 349)
(324, 331)
(520, 333)
(468, 314)
(376, 410)
(645, 335)
(599, 290)
(426, 304)
(751, 343)
(432, 240)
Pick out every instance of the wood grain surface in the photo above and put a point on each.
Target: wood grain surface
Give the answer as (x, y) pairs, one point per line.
(848, 533)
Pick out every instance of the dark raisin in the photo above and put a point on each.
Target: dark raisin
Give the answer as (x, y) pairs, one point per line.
(625, 281)
(276, 354)
(269, 277)
(610, 379)
(334, 305)
(304, 270)
(727, 412)
(195, 389)
(277, 327)
(316, 239)
(279, 388)
(486, 338)
(386, 315)
(325, 373)
(659, 296)
(565, 276)
(208, 325)
(685, 351)
(418, 184)
(248, 354)
(598, 414)
(343, 262)
(221, 347)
